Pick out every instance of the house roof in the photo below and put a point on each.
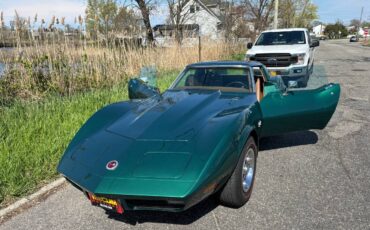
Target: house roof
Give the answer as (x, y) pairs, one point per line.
(210, 2)
(204, 5)
(172, 27)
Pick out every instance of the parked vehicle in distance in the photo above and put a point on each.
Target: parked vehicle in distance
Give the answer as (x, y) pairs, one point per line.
(314, 37)
(353, 39)
(285, 52)
(322, 37)
(169, 151)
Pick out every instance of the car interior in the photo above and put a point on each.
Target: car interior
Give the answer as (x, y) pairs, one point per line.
(217, 79)
(259, 80)
(233, 79)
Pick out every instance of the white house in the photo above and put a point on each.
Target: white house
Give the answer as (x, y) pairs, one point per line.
(361, 32)
(318, 30)
(198, 17)
(206, 14)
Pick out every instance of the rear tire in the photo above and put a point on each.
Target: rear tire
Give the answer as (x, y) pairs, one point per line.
(238, 188)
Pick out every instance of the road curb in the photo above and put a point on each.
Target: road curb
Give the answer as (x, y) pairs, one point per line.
(24, 201)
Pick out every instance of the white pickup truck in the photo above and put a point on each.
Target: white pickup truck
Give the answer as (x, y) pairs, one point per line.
(285, 52)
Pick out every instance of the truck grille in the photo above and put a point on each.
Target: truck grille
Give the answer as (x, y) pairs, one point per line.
(275, 60)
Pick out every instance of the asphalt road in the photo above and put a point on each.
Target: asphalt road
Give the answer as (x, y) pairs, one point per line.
(305, 180)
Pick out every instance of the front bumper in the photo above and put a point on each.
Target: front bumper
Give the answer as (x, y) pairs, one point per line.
(290, 71)
(134, 203)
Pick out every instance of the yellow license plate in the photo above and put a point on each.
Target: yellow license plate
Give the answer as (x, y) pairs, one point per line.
(273, 73)
(106, 203)
(103, 200)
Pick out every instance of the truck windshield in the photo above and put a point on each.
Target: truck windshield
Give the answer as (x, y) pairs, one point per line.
(281, 38)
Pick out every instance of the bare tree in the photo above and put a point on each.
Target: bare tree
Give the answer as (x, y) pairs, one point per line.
(259, 11)
(240, 24)
(145, 7)
(235, 19)
(355, 23)
(2, 22)
(179, 15)
(127, 21)
(100, 15)
(297, 13)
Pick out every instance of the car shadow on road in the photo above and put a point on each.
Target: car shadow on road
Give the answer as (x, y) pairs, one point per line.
(288, 140)
(182, 218)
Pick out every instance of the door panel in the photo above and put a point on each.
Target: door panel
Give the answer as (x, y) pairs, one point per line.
(298, 110)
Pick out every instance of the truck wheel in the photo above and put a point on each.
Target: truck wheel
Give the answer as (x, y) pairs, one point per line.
(311, 69)
(306, 78)
(238, 189)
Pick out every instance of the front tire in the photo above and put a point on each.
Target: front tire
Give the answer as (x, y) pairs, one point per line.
(238, 189)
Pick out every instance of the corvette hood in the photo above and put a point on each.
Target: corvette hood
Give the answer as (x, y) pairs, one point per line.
(177, 115)
(154, 146)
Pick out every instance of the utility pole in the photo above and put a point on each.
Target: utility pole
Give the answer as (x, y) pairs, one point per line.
(276, 14)
(358, 29)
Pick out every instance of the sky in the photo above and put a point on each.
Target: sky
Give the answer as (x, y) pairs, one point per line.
(329, 10)
(43, 8)
(345, 10)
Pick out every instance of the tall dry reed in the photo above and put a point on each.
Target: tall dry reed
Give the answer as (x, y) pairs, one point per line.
(64, 67)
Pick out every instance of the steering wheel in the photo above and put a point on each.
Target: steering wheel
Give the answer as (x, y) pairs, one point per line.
(236, 83)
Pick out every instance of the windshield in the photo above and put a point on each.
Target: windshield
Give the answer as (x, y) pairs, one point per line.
(222, 78)
(281, 38)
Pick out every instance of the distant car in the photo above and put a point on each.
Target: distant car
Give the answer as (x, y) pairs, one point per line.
(323, 37)
(169, 151)
(314, 37)
(353, 39)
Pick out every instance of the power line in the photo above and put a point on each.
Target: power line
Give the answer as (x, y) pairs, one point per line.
(358, 29)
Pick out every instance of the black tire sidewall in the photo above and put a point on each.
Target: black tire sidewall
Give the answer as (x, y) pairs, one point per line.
(240, 194)
(232, 194)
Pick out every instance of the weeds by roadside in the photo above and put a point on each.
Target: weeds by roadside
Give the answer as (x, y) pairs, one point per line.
(36, 72)
(33, 136)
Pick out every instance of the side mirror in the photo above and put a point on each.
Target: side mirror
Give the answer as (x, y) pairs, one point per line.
(138, 89)
(292, 84)
(249, 45)
(315, 43)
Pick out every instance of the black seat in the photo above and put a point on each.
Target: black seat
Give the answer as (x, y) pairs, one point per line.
(194, 80)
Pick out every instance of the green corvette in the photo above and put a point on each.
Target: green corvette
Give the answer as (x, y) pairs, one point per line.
(200, 137)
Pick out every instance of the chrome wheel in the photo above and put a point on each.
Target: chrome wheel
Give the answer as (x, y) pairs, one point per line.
(248, 169)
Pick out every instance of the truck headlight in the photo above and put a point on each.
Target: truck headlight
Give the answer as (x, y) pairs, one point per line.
(300, 59)
(249, 57)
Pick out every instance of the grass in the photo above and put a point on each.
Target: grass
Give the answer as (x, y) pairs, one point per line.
(238, 56)
(34, 135)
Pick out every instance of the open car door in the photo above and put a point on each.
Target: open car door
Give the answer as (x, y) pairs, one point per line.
(298, 110)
